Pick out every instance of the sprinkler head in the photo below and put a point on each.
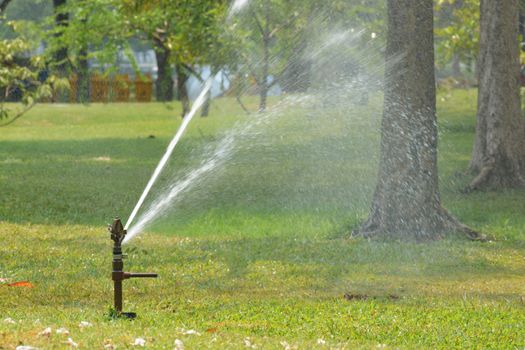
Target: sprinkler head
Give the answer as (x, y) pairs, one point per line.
(118, 275)
(117, 231)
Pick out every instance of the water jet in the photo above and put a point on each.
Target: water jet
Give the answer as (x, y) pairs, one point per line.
(118, 233)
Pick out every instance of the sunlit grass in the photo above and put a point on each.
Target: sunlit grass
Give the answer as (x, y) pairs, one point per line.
(261, 251)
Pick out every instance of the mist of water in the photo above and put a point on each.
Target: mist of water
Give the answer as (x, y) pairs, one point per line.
(214, 157)
(236, 7)
(217, 154)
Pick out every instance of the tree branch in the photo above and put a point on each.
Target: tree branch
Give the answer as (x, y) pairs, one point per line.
(3, 5)
(192, 72)
(21, 113)
(285, 25)
(243, 106)
(258, 22)
(252, 70)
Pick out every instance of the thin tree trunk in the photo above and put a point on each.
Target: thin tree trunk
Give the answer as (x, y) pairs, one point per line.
(456, 66)
(164, 82)
(3, 5)
(83, 77)
(498, 158)
(83, 81)
(61, 54)
(182, 90)
(297, 77)
(207, 101)
(264, 83)
(406, 202)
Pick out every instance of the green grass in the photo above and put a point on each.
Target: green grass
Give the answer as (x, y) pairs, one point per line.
(259, 249)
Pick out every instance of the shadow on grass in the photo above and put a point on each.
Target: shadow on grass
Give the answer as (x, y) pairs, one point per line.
(90, 181)
(317, 267)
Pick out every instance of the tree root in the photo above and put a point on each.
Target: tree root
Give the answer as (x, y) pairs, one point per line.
(481, 180)
(372, 228)
(488, 178)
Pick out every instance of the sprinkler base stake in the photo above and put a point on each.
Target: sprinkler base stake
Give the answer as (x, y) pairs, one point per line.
(118, 275)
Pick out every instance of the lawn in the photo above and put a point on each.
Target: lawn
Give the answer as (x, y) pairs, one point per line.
(257, 253)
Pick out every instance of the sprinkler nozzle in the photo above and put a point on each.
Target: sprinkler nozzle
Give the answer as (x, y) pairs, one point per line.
(118, 275)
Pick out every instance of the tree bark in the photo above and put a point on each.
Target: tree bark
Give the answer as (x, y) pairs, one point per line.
(3, 5)
(498, 157)
(206, 105)
(207, 101)
(297, 75)
(164, 82)
(61, 54)
(182, 90)
(456, 66)
(406, 202)
(264, 82)
(83, 76)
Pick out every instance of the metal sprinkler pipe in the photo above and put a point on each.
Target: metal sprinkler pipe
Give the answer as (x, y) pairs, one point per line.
(118, 275)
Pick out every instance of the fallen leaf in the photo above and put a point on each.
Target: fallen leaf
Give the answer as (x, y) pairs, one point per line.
(191, 332)
(46, 332)
(85, 324)
(9, 320)
(71, 343)
(212, 330)
(248, 343)
(352, 296)
(179, 345)
(139, 342)
(62, 330)
(108, 344)
(21, 284)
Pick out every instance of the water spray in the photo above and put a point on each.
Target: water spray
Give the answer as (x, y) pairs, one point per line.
(162, 163)
(118, 233)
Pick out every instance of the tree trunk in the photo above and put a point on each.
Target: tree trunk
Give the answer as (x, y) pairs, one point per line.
(182, 90)
(164, 82)
(83, 77)
(406, 202)
(206, 105)
(264, 83)
(297, 75)
(456, 66)
(3, 6)
(498, 158)
(207, 101)
(61, 54)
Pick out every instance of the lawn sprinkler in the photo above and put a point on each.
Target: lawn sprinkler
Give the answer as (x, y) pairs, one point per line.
(118, 275)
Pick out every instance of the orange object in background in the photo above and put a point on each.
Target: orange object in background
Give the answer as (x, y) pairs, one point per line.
(25, 284)
(120, 88)
(143, 88)
(99, 88)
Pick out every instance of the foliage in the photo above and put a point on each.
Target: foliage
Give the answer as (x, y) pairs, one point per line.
(457, 30)
(30, 11)
(96, 31)
(282, 34)
(187, 28)
(22, 75)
